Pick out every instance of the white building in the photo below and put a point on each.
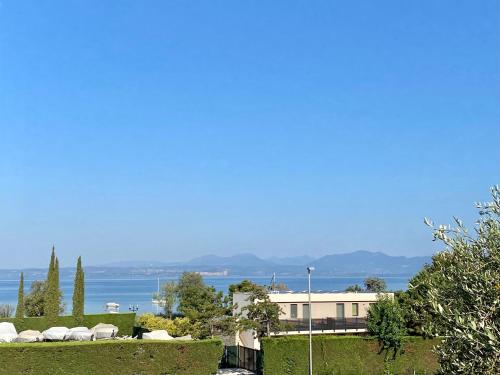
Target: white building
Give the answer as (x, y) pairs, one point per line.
(332, 313)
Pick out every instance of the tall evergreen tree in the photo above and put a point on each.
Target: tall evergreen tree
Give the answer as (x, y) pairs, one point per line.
(79, 293)
(20, 299)
(57, 289)
(51, 264)
(56, 274)
(53, 292)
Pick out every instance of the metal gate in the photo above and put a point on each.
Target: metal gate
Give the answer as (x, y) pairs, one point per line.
(242, 357)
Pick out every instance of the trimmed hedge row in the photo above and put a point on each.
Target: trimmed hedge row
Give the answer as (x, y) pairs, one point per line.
(124, 322)
(135, 357)
(344, 355)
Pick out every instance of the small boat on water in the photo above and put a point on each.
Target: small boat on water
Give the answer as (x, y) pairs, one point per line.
(112, 308)
(157, 297)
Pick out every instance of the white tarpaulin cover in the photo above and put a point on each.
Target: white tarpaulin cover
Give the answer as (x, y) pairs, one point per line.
(29, 336)
(56, 334)
(7, 332)
(160, 334)
(80, 334)
(104, 331)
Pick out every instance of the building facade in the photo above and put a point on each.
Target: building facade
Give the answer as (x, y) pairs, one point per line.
(332, 313)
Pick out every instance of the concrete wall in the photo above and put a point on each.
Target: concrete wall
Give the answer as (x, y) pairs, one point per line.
(324, 305)
(321, 310)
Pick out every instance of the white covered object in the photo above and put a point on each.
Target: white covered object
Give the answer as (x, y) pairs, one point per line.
(7, 332)
(104, 331)
(160, 334)
(56, 334)
(80, 334)
(29, 336)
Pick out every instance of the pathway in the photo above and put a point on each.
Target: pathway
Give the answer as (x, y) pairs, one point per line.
(234, 371)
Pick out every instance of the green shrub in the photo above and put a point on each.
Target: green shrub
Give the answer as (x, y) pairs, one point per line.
(344, 355)
(137, 357)
(175, 327)
(124, 322)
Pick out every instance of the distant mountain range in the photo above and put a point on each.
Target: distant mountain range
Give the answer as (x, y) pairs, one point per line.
(358, 263)
(355, 264)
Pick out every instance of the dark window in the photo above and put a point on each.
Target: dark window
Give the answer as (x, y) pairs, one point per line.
(305, 311)
(355, 309)
(293, 310)
(340, 310)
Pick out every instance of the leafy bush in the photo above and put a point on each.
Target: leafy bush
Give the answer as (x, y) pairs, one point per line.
(386, 322)
(175, 327)
(344, 355)
(138, 357)
(124, 322)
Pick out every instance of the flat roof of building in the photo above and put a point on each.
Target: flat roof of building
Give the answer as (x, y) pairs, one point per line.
(321, 296)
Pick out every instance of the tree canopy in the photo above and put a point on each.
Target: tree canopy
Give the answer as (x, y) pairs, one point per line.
(261, 315)
(375, 285)
(386, 322)
(34, 301)
(458, 295)
(203, 304)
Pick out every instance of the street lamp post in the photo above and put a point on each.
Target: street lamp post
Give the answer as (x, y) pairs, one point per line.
(309, 270)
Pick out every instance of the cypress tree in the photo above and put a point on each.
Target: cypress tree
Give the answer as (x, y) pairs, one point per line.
(79, 293)
(20, 299)
(57, 288)
(53, 293)
(51, 264)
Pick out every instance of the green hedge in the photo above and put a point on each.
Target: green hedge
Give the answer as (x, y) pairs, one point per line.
(137, 357)
(344, 355)
(124, 322)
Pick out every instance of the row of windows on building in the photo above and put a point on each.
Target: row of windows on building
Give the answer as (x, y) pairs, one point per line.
(340, 307)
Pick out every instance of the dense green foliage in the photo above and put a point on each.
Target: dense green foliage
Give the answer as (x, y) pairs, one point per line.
(53, 293)
(20, 298)
(197, 300)
(175, 327)
(420, 320)
(372, 285)
(262, 315)
(344, 355)
(204, 305)
(137, 357)
(375, 285)
(79, 293)
(460, 294)
(124, 322)
(245, 286)
(34, 301)
(386, 322)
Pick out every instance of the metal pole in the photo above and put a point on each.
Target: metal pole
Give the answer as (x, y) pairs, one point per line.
(309, 269)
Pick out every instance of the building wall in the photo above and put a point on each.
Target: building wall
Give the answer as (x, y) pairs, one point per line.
(324, 305)
(321, 310)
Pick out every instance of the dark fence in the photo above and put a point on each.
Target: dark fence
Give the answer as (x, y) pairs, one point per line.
(242, 357)
(336, 324)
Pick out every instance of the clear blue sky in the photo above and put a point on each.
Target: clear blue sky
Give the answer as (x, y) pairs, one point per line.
(169, 129)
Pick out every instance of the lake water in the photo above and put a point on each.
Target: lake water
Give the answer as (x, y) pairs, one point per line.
(139, 292)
